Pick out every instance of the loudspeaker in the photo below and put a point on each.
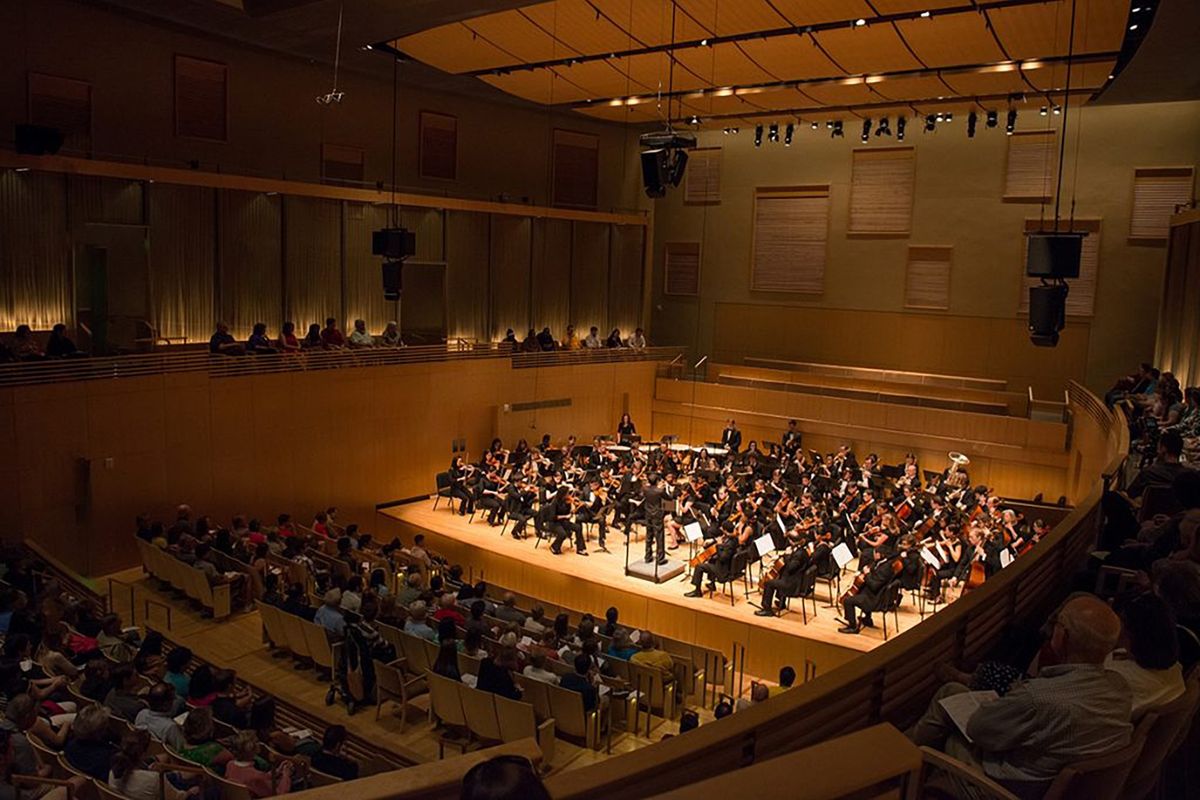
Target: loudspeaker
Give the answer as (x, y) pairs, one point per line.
(656, 171)
(391, 279)
(1054, 255)
(1047, 314)
(678, 167)
(397, 243)
(38, 140)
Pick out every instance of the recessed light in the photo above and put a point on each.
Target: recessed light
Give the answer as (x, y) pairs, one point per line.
(858, 23)
(1133, 27)
(924, 15)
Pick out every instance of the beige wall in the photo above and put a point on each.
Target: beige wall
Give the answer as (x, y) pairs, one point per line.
(860, 318)
(275, 126)
(85, 458)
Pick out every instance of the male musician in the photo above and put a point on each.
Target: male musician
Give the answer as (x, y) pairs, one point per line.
(547, 497)
(593, 510)
(518, 504)
(731, 437)
(791, 438)
(719, 566)
(488, 497)
(564, 525)
(875, 580)
(654, 497)
(788, 581)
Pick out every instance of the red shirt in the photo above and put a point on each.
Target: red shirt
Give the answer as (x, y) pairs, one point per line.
(332, 337)
(452, 613)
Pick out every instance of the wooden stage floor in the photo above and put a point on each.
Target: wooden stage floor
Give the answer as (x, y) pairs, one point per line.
(598, 581)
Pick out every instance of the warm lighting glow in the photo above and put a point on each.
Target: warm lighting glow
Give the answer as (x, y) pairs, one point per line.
(724, 91)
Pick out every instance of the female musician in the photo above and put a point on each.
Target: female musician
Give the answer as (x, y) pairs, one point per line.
(685, 514)
(626, 430)
(951, 554)
(458, 486)
(520, 453)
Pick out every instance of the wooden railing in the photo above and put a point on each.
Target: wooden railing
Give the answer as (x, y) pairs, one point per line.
(892, 683)
(189, 360)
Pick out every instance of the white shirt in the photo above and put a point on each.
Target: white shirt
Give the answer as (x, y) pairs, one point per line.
(637, 342)
(1151, 688)
(592, 340)
(361, 339)
(543, 675)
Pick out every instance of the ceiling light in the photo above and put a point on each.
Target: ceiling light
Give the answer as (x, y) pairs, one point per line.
(972, 119)
(930, 122)
(815, 125)
(1136, 10)
(883, 129)
(758, 136)
(734, 131)
(858, 23)
(773, 132)
(837, 129)
(924, 15)
(992, 118)
(866, 129)
(1133, 27)
(22, 169)
(1057, 110)
(1043, 111)
(939, 117)
(694, 120)
(787, 135)
(1011, 124)
(900, 123)
(704, 42)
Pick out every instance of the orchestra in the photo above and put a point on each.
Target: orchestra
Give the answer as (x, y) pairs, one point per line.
(788, 511)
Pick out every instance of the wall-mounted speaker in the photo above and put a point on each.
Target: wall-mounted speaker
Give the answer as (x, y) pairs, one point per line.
(1054, 255)
(37, 140)
(1047, 314)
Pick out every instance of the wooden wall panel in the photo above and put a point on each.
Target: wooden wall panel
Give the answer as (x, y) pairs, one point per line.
(589, 276)
(251, 275)
(510, 254)
(551, 289)
(205, 441)
(183, 251)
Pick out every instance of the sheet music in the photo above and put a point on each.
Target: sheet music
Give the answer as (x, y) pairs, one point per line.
(842, 555)
(779, 520)
(1006, 557)
(764, 544)
(961, 707)
(693, 532)
(930, 559)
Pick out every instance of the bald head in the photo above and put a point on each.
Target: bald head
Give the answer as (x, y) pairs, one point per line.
(1087, 631)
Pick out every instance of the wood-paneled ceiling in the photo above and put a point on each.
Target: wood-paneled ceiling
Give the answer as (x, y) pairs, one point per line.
(731, 62)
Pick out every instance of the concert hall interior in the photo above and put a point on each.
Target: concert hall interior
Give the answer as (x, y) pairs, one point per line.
(433, 399)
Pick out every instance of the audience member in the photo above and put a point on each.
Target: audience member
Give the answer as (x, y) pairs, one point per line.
(330, 760)
(503, 778)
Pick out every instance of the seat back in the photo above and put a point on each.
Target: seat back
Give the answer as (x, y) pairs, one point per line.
(388, 678)
(444, 700)
(317, 641)
(516, 719)
(293, 629)
(480, 710)
(443, 481)
(229, 789)
(651, 682)
(416, 657)
(469, 665)
(1171, 719)
(537, 694)
(1158, 500)
(567, 710)
(107, 792)
(1103, 777)
(808, 582)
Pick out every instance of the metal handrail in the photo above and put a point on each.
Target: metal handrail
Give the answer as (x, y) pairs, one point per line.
(191, 360)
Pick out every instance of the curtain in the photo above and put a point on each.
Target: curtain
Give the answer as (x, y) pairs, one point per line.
(312, 262)
(625, 277)
(551, 295)
(35, 251)
(94, 199)
(364, 280)
(589, 277)
(428, 224)
(510, 252)
(251, 275)
(467, 288)
(182, 259)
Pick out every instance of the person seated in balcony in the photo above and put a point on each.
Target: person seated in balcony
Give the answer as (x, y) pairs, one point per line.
(546, 340)
(243, 769)
(582, 681)
(312, 339)
(592, 341)
(331, 760)
(59, 345)
(1165, 467)
(329, 615)
(614, 339)
(391, 336)
(1072, 711)
(417, 623)
(288, 343)
(331, 337)
(496, 674)
(25, 346)
(531, 343)
(571, 341)
(259, 342)
(638, 340)
(359, 338)
(1148, 659)
(222, 343)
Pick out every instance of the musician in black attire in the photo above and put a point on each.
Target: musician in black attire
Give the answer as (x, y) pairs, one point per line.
(718, 567)
(654, 496)
(731, 437)
(488, 497)
(875, 580)
(594, 510)
(518, 504)
(787, 583)
(563, 526)
(791, 439)
(458, 486)
(547, 495)
(626, 430)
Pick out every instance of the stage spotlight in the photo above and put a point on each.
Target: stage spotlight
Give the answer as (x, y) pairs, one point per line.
(837, 130)
(883, 129)
(1057, 110)
(787, 135)
(866, 129)
(694, 120)
(992, 118)
(972, 118)
(939, 117)
(1043, 111)
(758, 136)
(900, 123)
(1011, 124)
(815, 125)
(949, 117)
(930, 122)
(773, 132)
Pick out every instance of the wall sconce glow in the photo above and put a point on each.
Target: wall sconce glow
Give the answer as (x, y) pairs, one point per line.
(724, 91)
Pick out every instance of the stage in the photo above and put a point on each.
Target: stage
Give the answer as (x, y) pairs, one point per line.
(595, 582)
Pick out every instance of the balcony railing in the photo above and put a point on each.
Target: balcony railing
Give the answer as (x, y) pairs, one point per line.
(222, 366)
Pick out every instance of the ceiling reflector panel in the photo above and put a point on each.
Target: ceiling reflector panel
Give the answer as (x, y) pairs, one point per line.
(870, 48)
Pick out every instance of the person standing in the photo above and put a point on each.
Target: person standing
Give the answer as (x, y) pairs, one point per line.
(731, 437)
(654, 495)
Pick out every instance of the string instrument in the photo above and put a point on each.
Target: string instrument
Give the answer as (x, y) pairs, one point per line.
(860, 579)
(772, 572)
(976, 578)
(702, 556)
